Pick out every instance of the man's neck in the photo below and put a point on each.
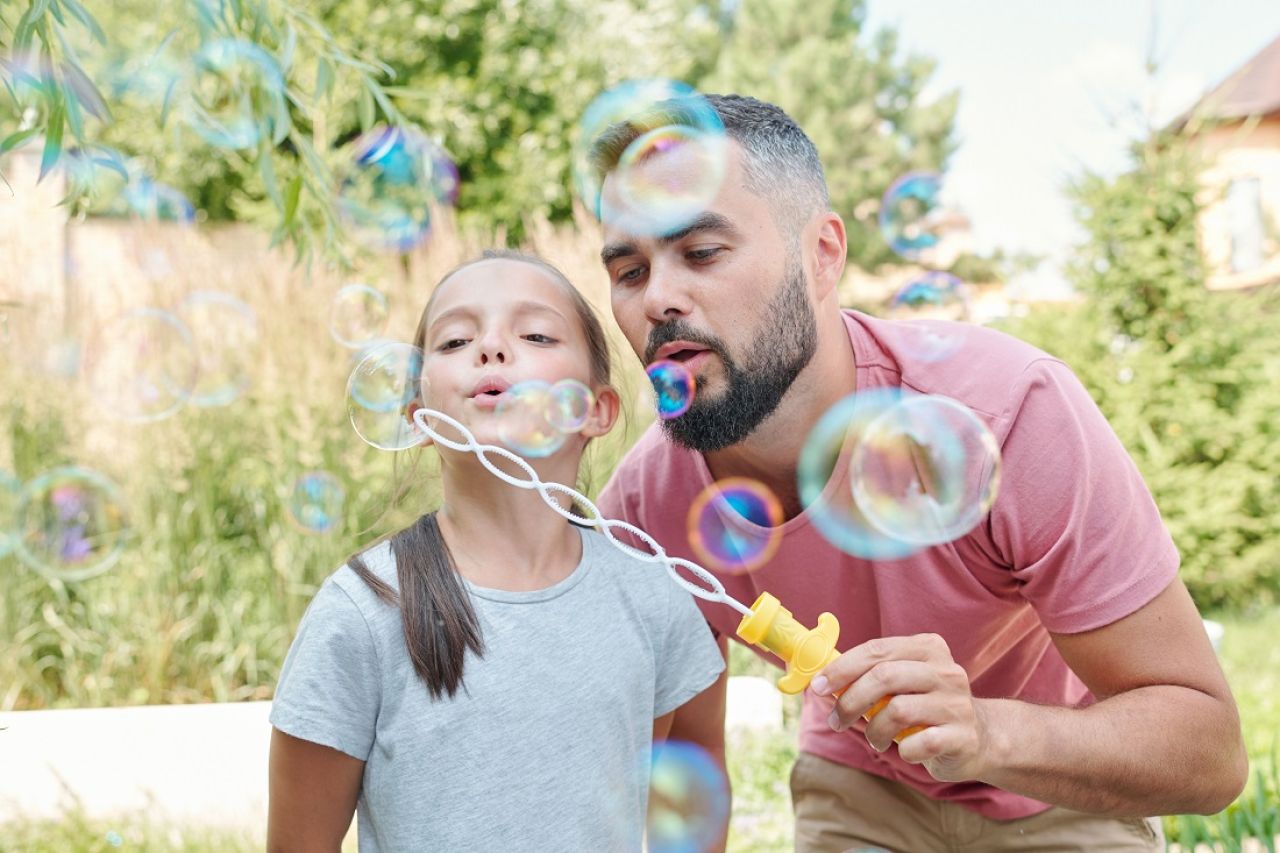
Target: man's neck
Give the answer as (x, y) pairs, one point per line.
(771, 452)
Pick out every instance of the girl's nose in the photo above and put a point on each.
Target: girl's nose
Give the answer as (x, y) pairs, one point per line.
(493, 350)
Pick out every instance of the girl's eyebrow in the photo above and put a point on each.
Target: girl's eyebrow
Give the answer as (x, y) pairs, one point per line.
(524, 306)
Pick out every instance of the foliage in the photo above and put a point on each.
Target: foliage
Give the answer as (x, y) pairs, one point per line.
(1187, 378)
(859, 103)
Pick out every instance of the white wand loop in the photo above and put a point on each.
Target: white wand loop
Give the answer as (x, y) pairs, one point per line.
(714, 590)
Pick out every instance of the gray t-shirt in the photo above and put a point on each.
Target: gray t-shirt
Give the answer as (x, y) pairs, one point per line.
(546, 746)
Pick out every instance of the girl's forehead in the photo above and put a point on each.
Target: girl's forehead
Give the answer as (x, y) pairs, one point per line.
(497, 283)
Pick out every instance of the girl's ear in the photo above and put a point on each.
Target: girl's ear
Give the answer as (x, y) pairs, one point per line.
(604, 412)
(414, 405)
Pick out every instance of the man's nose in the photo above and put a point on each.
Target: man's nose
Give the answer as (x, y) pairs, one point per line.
(667, 294)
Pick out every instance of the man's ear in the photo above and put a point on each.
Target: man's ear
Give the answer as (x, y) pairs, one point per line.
(414, 405)
(830, 249)
(604, 412)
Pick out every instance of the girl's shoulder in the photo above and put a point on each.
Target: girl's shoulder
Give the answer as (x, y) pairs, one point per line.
(629, 573)
(378, 564)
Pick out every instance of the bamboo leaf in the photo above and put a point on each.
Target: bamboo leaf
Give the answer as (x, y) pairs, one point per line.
(366, 109)
(86, 93)
(17, 140)
(53, 138)
(292, 194)
(87, 20)
(324, 78)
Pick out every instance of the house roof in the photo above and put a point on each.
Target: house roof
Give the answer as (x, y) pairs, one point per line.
(1253, 89)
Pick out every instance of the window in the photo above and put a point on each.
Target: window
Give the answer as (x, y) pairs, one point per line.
(1244, 218)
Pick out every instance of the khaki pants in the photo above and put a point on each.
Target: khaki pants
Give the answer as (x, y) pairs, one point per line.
(840, 809)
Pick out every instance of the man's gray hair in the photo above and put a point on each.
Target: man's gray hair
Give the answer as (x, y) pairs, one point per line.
(779, 160)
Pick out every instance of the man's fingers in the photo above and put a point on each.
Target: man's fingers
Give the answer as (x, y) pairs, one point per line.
(856, 662)
(910, 711)
(888, 678)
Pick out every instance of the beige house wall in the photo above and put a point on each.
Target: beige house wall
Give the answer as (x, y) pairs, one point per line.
(1241, 150)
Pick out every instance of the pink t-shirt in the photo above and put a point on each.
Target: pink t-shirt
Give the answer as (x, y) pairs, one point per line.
(1073, 541)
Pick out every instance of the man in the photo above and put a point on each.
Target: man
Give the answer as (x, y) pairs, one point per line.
(1059, 667)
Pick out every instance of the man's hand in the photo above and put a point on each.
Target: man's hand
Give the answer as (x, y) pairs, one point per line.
(927, 688)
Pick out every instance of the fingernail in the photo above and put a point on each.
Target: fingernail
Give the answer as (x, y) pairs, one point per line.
(834, 720)
(819, 685)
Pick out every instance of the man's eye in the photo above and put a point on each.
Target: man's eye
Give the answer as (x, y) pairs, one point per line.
(631, 276)
(703, 254)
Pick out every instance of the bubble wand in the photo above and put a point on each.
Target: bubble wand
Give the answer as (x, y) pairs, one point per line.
(765, 624)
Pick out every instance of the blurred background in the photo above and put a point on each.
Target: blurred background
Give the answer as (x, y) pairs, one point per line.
(238, 200)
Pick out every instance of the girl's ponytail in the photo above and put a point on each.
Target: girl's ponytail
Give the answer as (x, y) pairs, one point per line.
(440, 623)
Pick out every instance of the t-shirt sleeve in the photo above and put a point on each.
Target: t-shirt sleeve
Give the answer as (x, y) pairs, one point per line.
(329, 690)
(1073, 517)
(689, 660)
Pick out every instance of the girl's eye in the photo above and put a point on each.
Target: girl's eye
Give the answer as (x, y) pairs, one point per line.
(452, 343)
(538, 338)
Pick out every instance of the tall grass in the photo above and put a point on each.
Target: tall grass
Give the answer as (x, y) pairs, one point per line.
(216, 576)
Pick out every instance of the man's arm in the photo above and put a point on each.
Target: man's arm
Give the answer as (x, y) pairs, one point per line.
(700, 721)
(1163, 738)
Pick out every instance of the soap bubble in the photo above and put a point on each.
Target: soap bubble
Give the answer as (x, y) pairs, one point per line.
(688, 799)
(395, 179)
(316, 500)
(10, 489)
(153, 201)
(379, 393)
(525, 412)
(735, 524)
(669, 173)
(225, 330)
(233, 95)
(571, 403)
(910, 214)
(932, 294)
(673, 387)
(144, 366)
(931, 340)
(926, 470)
(71, 524)
(823, 477)
(358, 315)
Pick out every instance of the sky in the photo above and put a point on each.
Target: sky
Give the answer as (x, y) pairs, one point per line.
(1048, 90)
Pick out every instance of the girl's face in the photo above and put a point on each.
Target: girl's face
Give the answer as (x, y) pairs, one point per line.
(496, 323)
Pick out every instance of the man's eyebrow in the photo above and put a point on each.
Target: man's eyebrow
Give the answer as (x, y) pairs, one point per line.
(706, 221)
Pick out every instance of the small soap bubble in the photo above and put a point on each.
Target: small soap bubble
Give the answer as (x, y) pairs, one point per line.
(926, 470)
(225, 330)
(380, 392)
(525, 412)
(935, 294)
(571, 403)
(669, 173)
(673, 387)
(233, 95)
(316, 501)
(10, 489)
(358, 315)
(823, 477)
(688, 799)
(144, 366)
(735, 524)
(70, 524)
(912, 217)
(114, 838)
(394, 180)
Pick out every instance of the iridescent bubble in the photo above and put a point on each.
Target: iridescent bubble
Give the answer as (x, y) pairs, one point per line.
(315, 502)
(395, 179)
(144, 366)
(147, 199)
(524, 414)
(71, 524)
(358, 315)
(673, 387)
(688, 799)
(379, 393)
(571, 403)
(225, 330)
(233, 95)
(10, 489)
(114, 838)
(735, 524)
(823, 477)
(926, 470)
(669, 173)
(913, 219)
(934, 294)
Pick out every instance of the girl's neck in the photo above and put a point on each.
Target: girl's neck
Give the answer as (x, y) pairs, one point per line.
(503, 537)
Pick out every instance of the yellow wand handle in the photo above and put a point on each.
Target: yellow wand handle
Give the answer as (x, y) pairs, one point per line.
(806, 652)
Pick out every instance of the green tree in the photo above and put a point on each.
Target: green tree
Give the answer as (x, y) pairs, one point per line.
(857, 101)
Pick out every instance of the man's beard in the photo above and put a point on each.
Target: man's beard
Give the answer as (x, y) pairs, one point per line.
(785, 344)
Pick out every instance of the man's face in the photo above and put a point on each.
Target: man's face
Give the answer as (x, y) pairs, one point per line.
(727, 296)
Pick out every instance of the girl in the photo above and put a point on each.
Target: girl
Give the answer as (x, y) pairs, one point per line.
(491, 677)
